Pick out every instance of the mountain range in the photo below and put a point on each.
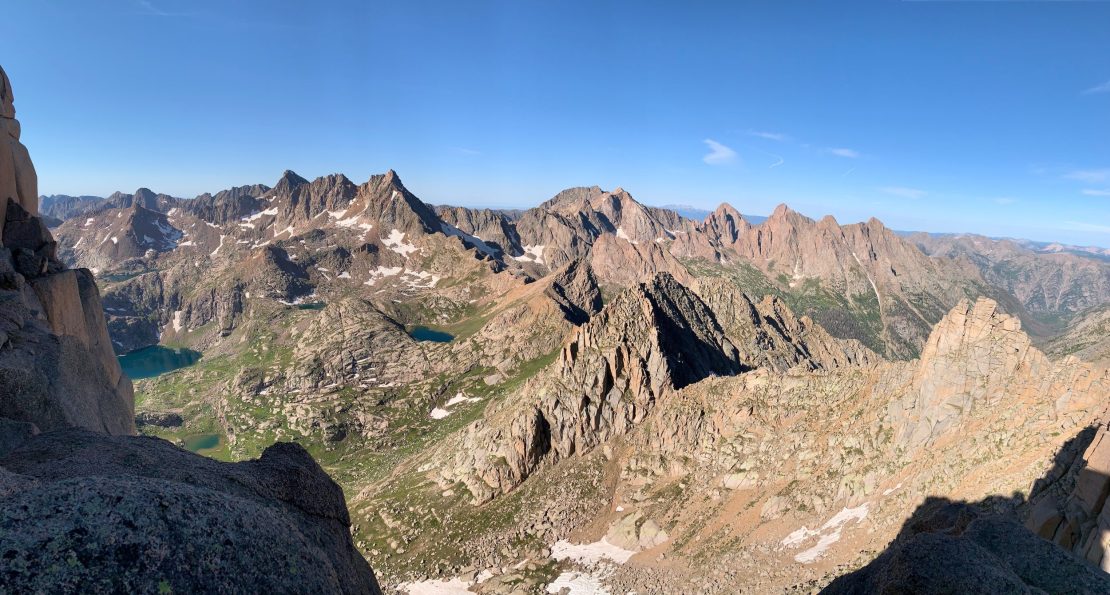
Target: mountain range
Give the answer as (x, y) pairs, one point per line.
(620, 396)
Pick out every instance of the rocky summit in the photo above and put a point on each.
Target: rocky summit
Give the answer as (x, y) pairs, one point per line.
(588, 396)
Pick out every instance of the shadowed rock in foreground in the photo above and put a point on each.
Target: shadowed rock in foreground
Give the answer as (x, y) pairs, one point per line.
(93, 513)
(953, 547)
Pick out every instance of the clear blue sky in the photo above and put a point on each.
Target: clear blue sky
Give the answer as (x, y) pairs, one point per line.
(991, 117)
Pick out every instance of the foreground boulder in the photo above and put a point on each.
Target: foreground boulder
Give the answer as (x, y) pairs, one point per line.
(85, 512)
(954, 547)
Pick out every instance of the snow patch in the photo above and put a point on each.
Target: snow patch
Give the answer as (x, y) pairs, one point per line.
(578, 583)
(455, 586)
(420, 279)
(115, 240)
(395, 242)
(354, 222)
(178, 323)
(829, 533)
(382, 272)
(590, 553)
(624, 236)
(256, 216)
(474, 241)
(531, 254)
(439, 413)
(461, 398)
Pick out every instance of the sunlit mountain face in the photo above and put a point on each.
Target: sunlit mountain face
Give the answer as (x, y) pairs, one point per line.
(726, 299)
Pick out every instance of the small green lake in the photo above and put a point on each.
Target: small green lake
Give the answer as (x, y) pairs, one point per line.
(156, 360)
(199, 442)
(423, 333)
(311, 306)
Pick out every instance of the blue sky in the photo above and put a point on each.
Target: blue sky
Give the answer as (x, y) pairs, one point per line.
(991, 117)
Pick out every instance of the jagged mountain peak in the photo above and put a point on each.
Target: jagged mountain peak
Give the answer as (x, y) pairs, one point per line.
(969, 324)
(654, 338)
(288, 181)
(726, 209)
(571, 196)
(784, 214)
(384, 198)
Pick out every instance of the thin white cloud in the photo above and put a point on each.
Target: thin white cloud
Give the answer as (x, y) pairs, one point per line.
(1095, 192)
(776, 163)
(148, 7)
(1090, 176)
(843, 152)
(775, 136)
(1103, 88)
(718, 154)
(902, 192)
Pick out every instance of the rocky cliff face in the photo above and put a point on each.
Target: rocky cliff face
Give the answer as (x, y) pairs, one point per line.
(18, 180)
(57, 367)
(769, 335)
(654, 338)
(1069, 507)
(87, 506)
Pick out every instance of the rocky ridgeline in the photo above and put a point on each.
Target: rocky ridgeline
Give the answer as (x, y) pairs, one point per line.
(89, 507)
(791, 425)
(650, 342)
(652, 339)
(769, 335)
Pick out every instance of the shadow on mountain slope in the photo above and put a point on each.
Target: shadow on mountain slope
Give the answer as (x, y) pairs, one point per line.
(949, 546)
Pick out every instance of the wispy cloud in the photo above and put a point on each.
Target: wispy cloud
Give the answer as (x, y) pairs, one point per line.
(779, 161)
(1095, 192)
(902, 192)
(148, 7)
(775, 136)
(718, 154)
(1103, 88)
(1090, 176)
(843, 152)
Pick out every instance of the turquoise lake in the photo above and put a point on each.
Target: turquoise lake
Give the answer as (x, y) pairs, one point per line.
(423, 333)
(199, 442)
(156, 360)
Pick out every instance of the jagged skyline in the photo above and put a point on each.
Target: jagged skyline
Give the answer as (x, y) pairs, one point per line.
(504, 104)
